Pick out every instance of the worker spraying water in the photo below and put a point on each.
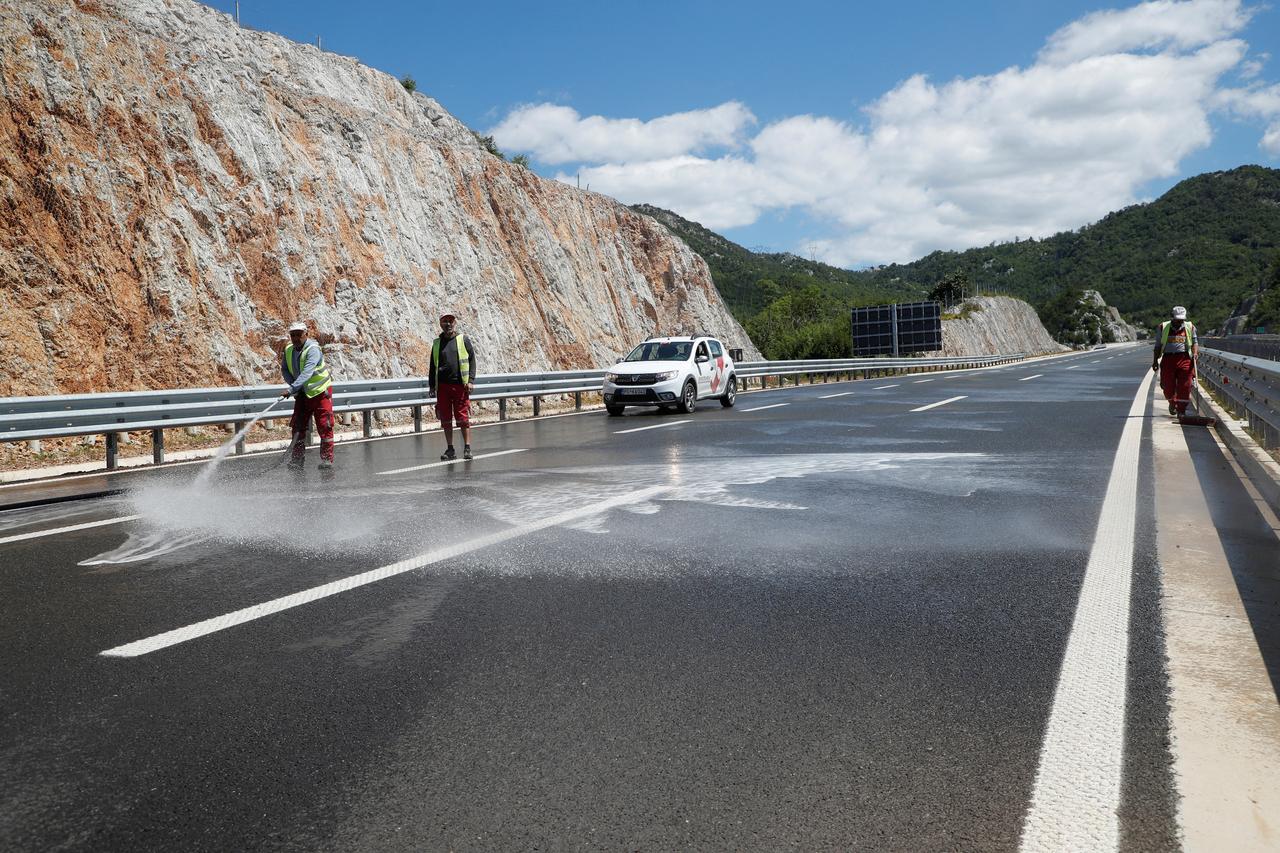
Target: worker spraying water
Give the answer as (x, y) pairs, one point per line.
(304, 371)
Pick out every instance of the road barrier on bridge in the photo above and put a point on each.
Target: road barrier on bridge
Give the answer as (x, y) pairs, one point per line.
(70, 415)
(1249, 386)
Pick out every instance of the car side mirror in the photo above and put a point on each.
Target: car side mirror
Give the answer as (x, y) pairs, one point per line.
(702, 358)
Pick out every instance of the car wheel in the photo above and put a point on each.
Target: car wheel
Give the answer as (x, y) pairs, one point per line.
(614, 410)
(730, 393)
(689, 398)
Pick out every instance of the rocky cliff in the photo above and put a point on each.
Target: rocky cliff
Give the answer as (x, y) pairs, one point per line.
(174, 190)
(985, 325)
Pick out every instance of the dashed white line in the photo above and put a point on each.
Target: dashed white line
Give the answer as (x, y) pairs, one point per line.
(918, 381)
(762, 408)
(1036, 376)
(1073, 367)
(879, 387)
(453, 461)
(267, 608)
(829, 396)
(56, 530)
(1076, 799)
(940, 403)
(654, 426)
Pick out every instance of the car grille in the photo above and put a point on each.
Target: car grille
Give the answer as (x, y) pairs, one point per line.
(637, 379)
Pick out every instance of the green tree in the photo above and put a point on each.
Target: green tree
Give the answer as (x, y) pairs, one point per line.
(410, 85)
(521, 160)
(487, 143)
(951, 289)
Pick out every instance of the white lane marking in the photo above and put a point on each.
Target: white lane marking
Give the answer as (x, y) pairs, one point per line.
(940, 403)
(268, 608)
(1110, 357)
(1076, 797)
(1036, 376)
(1073, 367)
(841, 394)
(762, 408)
(918, 381)
(1095, 361)
(878, 387)
(453, 461)
(654, 426)
(56, 530)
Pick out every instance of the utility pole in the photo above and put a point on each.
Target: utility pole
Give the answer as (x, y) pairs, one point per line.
(318, 43)
(237, 13)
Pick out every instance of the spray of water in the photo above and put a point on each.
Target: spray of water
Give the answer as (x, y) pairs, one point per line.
(226, 448)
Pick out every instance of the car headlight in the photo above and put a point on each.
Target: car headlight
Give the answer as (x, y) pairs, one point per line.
(611, 377)
(663, 377)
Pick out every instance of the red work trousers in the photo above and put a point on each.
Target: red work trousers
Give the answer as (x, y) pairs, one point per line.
(1176, 373)
(305, 408)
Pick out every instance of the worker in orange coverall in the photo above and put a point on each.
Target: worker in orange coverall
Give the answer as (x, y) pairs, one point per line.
(1175, 359)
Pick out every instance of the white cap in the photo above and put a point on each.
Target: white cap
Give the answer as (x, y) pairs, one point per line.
(1179, 313)
(448, 314)
(298, 327)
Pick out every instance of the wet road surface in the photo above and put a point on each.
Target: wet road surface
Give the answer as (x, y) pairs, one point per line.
(834, 622)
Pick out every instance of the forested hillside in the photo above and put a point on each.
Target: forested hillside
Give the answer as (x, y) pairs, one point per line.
(1206, 243)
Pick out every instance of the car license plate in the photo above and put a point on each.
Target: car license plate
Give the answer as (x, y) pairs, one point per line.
(631, 391)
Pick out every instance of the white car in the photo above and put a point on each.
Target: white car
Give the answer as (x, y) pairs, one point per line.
(671, 372)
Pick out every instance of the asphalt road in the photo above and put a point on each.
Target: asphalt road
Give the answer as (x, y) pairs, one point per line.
(815, 621)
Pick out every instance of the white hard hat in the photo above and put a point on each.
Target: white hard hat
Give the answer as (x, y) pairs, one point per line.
(1179, 313)
(298, 327)
(449, 315)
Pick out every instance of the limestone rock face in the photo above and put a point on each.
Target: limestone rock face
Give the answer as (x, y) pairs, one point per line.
(174, 190)
(996, 325)
(1117, 329)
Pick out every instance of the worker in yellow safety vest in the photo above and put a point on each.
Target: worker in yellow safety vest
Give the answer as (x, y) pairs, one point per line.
(1175, 359)
(451, 378)
(304, 371)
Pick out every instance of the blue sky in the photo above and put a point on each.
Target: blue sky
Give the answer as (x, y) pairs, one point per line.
(855, 133)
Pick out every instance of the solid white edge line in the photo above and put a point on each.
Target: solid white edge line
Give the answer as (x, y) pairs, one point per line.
(475, 458)
(770, 406)
(1036, 376)
(1076, 798)
(267, 608)
(652, 426)
(940, 403)
(879, 387)
(841, 394)
(53, 532)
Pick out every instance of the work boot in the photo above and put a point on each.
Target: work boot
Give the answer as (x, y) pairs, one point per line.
(448, 454)
(296, 463)
(466, 451)
(1173, 410)
(325, 464)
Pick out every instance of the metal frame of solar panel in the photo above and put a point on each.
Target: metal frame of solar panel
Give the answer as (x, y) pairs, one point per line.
(918, 327)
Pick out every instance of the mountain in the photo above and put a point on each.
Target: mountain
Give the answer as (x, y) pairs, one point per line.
(749, 281)
(175, 190)
(1205, 244)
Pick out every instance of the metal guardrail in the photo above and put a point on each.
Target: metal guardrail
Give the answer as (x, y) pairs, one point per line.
(69, 415)
(1258, 346)
(1249, 386)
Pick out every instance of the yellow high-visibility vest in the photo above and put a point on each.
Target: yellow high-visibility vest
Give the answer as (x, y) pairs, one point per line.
(1191, 334)
(464, 360)
(319, 380)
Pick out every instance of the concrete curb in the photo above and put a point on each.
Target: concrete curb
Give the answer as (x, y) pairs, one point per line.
(1261, 469)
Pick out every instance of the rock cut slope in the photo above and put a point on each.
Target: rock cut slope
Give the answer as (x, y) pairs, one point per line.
(175, 189)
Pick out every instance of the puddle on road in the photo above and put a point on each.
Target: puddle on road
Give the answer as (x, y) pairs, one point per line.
(412, 512)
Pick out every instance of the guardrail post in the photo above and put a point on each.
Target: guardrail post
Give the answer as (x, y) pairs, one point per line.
(537, 406)
(502, 408)
(417, 419)
(239, 443)
(366, 423)
(113, 449)
(157, 446)
(577, 401)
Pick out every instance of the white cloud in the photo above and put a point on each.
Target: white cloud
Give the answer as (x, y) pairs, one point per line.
(1116, 99)
(557, 134)
(1158, 25)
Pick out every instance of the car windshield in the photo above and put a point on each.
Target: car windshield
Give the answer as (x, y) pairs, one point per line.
(660, 351)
